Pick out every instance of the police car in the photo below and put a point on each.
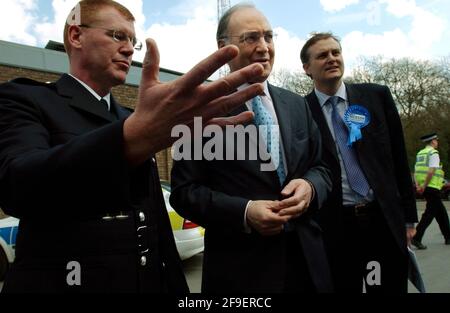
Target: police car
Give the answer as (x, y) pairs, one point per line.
(189, 237)
(8, 233)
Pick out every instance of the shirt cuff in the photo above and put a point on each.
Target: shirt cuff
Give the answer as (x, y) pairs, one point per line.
(247, 228)
(313, 194)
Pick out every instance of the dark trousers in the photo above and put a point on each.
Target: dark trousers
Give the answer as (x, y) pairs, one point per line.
(434, 209)
(297, 277)
(368, 246)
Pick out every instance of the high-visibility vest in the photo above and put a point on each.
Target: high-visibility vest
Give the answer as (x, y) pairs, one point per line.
(422, 167)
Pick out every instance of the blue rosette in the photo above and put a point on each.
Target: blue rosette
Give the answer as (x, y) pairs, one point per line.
(356, 117)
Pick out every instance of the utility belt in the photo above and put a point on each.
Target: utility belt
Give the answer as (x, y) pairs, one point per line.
(118, 233)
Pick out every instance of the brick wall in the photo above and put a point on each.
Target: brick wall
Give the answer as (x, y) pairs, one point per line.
(7, 73)
(125, 94)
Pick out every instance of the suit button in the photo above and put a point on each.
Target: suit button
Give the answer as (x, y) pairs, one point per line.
(143, 261)
(141, 217)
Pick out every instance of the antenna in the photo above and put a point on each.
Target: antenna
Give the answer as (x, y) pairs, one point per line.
(222, 7)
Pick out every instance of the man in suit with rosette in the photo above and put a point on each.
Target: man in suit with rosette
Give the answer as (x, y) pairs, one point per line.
(368, 220)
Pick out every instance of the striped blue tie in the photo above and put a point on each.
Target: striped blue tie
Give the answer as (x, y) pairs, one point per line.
(356, 178)
(264, 118)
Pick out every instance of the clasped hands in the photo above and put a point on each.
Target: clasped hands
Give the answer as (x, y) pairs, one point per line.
(268, 217)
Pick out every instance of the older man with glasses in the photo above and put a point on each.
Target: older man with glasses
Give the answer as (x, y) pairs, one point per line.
(79, 170)
(259, 233)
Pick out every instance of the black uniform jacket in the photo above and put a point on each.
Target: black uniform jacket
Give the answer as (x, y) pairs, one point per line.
(63, 173)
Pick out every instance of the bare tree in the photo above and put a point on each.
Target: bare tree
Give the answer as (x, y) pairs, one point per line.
(421, 90)
(296, 81)
(415, 85)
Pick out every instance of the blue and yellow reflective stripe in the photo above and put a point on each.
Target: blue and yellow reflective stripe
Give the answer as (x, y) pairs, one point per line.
(176, 221)
(5, 234)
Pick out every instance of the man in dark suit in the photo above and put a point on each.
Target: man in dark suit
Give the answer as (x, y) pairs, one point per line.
(369, 218)
(79, 170)
(259, 233)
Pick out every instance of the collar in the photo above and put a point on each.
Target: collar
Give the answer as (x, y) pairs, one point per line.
(323, 98)
(107, 98)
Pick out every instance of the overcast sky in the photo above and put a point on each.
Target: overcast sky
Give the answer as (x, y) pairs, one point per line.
(185, 29)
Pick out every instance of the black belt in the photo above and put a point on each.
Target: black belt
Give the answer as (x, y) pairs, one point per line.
(362, 209)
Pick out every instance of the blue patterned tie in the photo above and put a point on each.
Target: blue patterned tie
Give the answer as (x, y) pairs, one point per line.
(263, 118)
(355, 175)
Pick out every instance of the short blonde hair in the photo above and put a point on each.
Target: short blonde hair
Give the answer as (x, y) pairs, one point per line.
(88, 15)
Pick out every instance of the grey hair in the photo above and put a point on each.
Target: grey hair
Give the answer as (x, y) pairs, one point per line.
(222, 28)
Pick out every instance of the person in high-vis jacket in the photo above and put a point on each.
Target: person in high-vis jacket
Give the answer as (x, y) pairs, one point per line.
(429, 178)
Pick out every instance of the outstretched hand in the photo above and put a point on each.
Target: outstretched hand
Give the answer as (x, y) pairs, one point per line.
(161, 106)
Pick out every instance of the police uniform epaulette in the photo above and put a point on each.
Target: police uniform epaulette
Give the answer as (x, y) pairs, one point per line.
(31, 82)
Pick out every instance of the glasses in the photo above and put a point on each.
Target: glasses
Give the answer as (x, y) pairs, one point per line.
(252, 38)
(119, 36)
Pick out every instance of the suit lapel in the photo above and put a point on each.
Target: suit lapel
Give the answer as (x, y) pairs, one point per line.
(121, 112)
(355, 97)
(253, 166)
(321, 122)
(81, 98)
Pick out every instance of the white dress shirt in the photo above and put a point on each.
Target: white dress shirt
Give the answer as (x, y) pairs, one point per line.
(107, 98)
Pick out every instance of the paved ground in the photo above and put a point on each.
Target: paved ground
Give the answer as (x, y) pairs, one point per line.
(434, 262)
(193, 271)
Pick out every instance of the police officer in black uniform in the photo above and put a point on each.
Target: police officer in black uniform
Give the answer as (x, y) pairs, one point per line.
(79, 170)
